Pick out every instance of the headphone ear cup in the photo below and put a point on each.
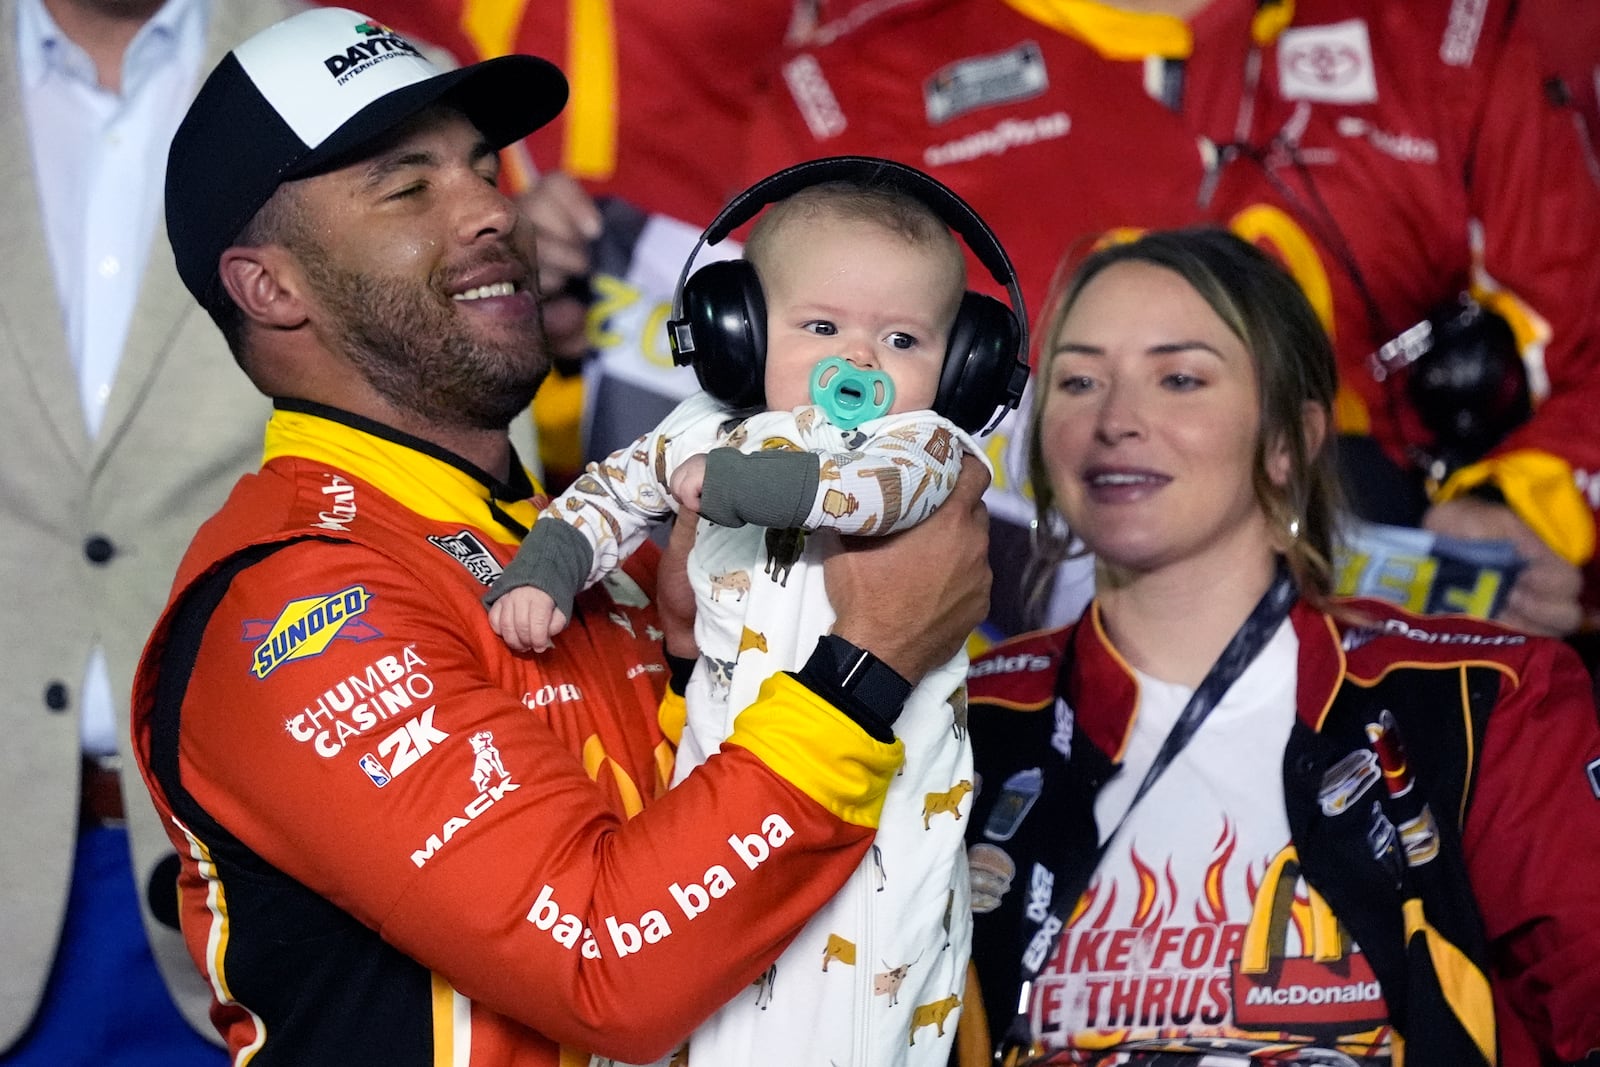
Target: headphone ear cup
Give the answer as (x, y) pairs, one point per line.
(727, 317)
(982, 370)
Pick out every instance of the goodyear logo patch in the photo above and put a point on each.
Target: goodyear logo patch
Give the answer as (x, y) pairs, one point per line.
(305, 627)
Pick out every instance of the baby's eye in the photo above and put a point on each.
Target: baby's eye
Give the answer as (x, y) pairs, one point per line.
(821, 327)
(902, 341)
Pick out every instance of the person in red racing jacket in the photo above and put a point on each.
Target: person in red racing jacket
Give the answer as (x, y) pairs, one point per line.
(402, 843)
(1391, 156)
(1227, 817)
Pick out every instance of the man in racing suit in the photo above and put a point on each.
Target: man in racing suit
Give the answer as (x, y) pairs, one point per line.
(402, 843)
(1392, 157)
(621, 183)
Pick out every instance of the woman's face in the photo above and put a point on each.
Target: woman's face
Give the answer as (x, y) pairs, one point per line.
(1150, 424)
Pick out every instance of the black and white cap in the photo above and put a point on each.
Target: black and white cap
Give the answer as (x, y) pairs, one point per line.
(307, 95)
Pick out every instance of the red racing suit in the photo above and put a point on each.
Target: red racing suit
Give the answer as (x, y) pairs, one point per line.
(1392, 156)
(1489, 944)
(405, 845)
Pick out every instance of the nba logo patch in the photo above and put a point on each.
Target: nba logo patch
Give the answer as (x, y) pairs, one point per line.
(1593, 771)
(374, 769)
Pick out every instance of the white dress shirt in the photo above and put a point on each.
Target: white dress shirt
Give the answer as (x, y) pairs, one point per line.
(99, 158)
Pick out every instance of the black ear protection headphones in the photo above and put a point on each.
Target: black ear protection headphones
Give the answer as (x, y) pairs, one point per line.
(719, 314)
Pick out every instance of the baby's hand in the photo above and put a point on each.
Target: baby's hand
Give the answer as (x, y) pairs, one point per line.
(526, 619)
(688, 480)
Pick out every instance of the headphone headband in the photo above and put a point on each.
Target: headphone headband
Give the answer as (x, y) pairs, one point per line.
(723, 334)
(868, 171)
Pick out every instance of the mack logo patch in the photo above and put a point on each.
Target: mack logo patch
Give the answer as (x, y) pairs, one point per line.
(305, 628)
(985, 81)
(466, 549)
(490, 780)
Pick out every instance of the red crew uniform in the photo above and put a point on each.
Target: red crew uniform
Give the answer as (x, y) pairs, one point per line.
(1567, 36)
(405, 845)
(661, 93)
(1391, 156)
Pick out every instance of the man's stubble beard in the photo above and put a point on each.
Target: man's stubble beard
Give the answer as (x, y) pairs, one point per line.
(419, 356)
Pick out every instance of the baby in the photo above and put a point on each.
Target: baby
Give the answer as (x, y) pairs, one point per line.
(862, 285)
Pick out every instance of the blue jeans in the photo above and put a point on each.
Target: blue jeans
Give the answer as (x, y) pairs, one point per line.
(105, 1003)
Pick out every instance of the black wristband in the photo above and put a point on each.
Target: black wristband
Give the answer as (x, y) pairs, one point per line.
(679, 668)
(857, 683)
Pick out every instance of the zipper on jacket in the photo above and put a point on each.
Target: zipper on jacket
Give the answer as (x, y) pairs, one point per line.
(866, 951)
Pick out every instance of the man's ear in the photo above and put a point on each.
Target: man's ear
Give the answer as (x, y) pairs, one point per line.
(265, 284)
(1314, 429)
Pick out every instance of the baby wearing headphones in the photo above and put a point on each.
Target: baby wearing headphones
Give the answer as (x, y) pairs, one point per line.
(861, 287)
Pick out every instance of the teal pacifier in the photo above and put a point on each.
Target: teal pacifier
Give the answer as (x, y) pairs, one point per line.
(849, 395)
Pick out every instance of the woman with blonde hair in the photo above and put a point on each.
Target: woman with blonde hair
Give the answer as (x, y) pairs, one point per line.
(1225, 817)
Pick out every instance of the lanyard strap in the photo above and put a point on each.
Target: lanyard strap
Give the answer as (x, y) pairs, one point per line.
(1245, 645)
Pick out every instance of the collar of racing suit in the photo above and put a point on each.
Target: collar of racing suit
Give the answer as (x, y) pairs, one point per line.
(1128, 35)
(423, 477)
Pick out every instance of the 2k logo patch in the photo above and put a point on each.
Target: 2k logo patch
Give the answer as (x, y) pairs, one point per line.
(402, 748)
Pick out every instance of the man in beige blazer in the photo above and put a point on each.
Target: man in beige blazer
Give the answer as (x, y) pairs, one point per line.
(91, 529)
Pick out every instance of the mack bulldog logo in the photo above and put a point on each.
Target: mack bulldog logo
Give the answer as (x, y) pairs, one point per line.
(492, 782)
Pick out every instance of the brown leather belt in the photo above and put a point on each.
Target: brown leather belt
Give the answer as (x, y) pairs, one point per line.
(101, 803)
